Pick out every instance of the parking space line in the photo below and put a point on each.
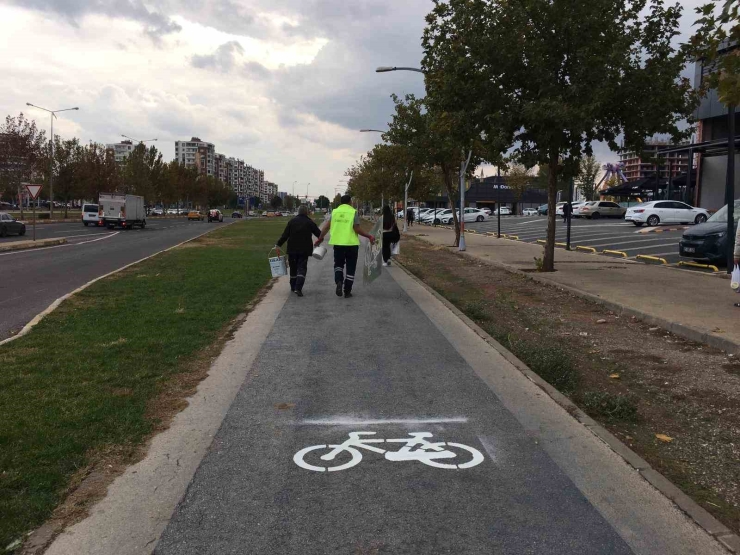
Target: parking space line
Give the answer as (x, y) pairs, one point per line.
(620, 243)
(649, 247)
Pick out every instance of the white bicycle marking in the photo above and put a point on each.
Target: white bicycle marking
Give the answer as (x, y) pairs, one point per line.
(416, 448)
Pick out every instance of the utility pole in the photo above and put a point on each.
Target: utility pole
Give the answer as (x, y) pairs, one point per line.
(730, 187)
(570, 213)
(406, 203)
(463, 169)
(498, 199)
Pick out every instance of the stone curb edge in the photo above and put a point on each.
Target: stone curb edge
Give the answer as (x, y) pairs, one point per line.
(699, 515)
(29, 245)
(53, 306)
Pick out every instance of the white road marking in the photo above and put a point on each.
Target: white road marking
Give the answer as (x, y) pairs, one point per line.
(98, 239)
(83, 235)
(602, 244)
(351, 421)
(650, 247)
(59, 246)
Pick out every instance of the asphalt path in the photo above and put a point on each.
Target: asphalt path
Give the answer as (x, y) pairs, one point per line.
(375, 364)
(33, 279)
(602, 234)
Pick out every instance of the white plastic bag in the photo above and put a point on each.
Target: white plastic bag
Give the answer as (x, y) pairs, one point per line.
(278, 266)
(735, 281)
(319, 252)
(396, 249)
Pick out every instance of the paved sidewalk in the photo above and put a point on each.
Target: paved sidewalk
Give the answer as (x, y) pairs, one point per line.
(514, 474)
(694, 305)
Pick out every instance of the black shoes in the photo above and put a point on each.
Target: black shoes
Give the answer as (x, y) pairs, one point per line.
(299, 293)
(347, 295)
(339, 289)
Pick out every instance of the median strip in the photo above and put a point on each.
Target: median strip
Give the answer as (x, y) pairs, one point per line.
(135, 344)
(25, 245)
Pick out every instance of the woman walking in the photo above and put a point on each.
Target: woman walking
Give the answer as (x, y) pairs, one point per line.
(736, 253)
(390, 234)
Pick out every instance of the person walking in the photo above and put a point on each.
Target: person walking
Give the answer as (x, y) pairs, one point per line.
(344, 228)
(390, 234)
(737, 252)
(567, 211)
(299, 234)
(410, 217)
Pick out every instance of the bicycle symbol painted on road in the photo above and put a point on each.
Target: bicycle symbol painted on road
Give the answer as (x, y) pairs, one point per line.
(416, 448)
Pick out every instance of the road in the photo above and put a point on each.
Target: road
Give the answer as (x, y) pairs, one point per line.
(515, 474)
(33, 279)
(602, 234)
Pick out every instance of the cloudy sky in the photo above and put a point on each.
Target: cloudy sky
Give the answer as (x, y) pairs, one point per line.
(283, 84)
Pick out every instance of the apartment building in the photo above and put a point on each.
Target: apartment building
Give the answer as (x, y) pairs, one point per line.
(198, 154)
(121, 150)
(641, 166)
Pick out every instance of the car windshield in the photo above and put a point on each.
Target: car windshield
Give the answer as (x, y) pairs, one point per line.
(91, 208)
(721, 215)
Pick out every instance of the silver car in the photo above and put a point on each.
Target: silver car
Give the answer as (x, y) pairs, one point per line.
(601, 209)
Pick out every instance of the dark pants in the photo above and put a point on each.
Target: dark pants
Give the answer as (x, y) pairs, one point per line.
(345, 256)
(298, 267)
(388, 237)
(410, 220)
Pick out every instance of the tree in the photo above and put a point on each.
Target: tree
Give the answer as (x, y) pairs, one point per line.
(276, 202)
(551, 77)
(322, 202)
(68, 169)
(22, 147)
(589, 169)
(519, 179)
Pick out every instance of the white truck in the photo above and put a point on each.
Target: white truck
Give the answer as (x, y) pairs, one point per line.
(124, 210)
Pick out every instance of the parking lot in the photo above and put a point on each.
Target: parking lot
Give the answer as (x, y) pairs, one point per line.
(602, 234)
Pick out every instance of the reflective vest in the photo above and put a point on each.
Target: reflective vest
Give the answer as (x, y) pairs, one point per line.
(342, 227)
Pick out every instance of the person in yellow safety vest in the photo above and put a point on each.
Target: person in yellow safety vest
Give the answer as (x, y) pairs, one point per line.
(343, 224)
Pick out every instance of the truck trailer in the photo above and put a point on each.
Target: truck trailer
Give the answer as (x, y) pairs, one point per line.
(126, 211)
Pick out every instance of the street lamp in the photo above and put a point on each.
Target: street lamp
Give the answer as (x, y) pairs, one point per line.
(386, 69)
(137, 141)
(371, 131)
(51, 161)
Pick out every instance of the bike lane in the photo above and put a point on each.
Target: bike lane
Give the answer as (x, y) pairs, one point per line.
(375, 364)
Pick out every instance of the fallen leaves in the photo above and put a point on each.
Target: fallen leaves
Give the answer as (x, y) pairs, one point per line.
(614, 376)
(664, 438)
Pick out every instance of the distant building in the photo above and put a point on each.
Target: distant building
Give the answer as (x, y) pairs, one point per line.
(121, 150)
(268, 191)
(637, 167)
(196, 154)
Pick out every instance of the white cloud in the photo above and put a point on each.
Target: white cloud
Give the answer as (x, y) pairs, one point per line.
(285, 84)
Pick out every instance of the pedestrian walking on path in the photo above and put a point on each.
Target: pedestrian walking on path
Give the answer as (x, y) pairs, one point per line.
(390, 234)
(737, 252)
(567, 211)
(299, 234)
(344, 229)
(410, 217)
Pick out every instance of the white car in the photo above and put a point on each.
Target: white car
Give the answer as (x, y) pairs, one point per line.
(471, 215)
(486, 210)
(435, 217)
(601, 209)
(576, 208)
(504, 210)
(529, 212)
(90, 215)
(665, 212)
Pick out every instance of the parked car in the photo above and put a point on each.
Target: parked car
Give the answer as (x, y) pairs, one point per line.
(237, 215)
(601, 209)
(665, 212)
(708, 241)
(486, 210)
(9, 224)
(195, 215)
(530, 212)
(215, 215)
(90, 215)
(577, 208)
(436, 217)
(542, 210)
(504, 210)
(156, 212)
(471, 215)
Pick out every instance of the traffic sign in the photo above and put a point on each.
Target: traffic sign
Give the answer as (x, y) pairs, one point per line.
(33, 190)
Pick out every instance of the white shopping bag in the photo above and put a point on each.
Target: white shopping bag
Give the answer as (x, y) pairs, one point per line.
(319, 252)
(278, 266)
(735, 281)
(396, 249)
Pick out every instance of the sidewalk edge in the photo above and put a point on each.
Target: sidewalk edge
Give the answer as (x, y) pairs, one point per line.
(30, 245)
(693, 510)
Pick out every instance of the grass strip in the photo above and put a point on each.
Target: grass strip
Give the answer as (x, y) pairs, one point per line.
(123, 340)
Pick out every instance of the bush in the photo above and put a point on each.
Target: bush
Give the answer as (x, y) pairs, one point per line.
(476, 310)
(608, 405)
(551, 363)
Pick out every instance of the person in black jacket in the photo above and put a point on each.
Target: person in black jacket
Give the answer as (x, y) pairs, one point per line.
(298, 233)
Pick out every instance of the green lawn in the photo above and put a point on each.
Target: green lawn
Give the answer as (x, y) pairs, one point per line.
(123, 341)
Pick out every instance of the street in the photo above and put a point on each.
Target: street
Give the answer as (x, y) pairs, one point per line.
(33, 279)
(602, 234)
(382, 424)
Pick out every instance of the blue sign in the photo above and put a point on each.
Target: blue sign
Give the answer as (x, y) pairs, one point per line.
(241, 201)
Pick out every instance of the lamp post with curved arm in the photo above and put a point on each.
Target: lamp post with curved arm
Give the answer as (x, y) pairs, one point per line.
(51, 161)
(386, 69)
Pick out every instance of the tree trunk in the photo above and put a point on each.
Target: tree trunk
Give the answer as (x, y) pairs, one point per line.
(20, 199)
(548, 263)
(451, 198)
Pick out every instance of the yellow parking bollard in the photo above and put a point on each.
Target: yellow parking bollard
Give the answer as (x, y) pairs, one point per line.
(663, 261)
(616, 253)
(701, 266)
(587, 249)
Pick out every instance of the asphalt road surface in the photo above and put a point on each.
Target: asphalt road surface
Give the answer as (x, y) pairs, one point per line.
(602, 234)
(436, 462)
(32, 279)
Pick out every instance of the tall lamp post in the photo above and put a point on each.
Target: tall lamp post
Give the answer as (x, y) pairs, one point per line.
(386, 69)
(137, 141)
(51, 161)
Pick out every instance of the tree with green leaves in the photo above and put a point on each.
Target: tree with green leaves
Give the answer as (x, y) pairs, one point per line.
(276, 202)
(589, 169)
(22, 149)
(550, 77)
(519, 178)
(68, 170)
(323, 202)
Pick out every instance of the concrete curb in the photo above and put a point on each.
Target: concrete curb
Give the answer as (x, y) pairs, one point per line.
(25, 245)
(682, 330)
(693, 510)
(53, 306)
